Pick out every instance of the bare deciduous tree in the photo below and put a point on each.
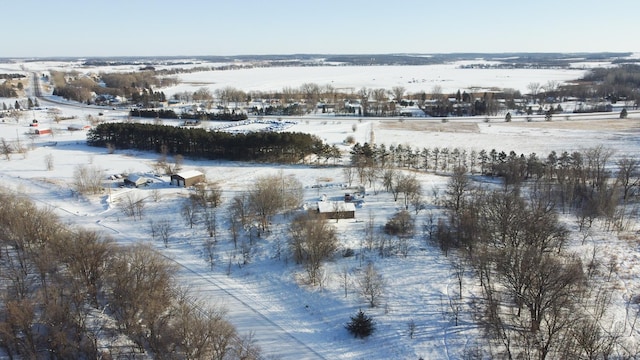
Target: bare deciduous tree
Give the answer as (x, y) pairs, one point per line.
(87, 179)
(86, 254)
(140, 283)
(209, 246)
(48, 162)
(312, 241)
(400, 224)
(534, 89)
(203, 333)
(371, 285)
(348, 172)
(178, 160)
(272, 194)
(246, 348)
(133, 205)
(628, 176)
(457, 187)
(6, 149)
(207, 195)
(189, 212)
(165, 230)
(410, 187)
(344, 276)
(266, 199)
(398, 93)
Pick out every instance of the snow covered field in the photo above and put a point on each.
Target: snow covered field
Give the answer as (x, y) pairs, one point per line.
(291, 320)
(448, 77)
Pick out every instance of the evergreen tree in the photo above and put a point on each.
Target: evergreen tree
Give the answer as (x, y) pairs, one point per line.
(623, 114)
(361, 325)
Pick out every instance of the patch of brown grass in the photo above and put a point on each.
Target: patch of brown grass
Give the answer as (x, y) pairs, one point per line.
(454, 126)
(596, 124)
(198, 82)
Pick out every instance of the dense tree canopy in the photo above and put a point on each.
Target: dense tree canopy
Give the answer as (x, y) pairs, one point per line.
(257, 146)
(170, 114)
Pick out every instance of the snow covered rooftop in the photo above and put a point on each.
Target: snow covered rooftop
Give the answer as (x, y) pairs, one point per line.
(333, 206)
(189, 174)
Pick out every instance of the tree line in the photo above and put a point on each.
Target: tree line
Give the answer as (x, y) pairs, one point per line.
(137, 87)
(282, 147)
(202, 115)
(70, 293)
(589, 180)
(611, 84)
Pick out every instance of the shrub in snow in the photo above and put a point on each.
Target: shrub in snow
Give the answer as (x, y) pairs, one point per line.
(400, 224)
(623, 114)
(348, 252)
(350, 140)
(361, 325)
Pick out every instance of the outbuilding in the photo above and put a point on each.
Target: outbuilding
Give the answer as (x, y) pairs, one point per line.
(336, 210)
(135, 180)
(187, 178)
(42, 131)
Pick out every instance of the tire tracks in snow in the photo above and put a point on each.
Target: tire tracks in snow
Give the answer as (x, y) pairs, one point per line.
(308, 352)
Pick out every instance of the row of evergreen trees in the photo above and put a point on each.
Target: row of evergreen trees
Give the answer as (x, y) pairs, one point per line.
(282, 147)
(170, 114)
(18, 105)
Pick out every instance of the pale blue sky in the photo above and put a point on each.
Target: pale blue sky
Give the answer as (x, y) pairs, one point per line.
(42, 28)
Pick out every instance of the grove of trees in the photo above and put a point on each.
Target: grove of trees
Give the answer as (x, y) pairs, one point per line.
(537, 299)
(137, 87)
(256, 146)
(540, 300)
(70, 293)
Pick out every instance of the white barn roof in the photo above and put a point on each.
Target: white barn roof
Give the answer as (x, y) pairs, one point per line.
(332, 206)
(189, 174)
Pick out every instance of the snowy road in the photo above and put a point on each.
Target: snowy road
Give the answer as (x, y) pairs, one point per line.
(274, 341)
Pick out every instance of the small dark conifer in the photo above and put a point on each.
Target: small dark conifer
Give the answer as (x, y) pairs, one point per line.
(623, 114)
(361, 325)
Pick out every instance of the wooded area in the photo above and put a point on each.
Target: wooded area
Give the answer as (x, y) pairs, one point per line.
(65, 290)
(281, 147)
